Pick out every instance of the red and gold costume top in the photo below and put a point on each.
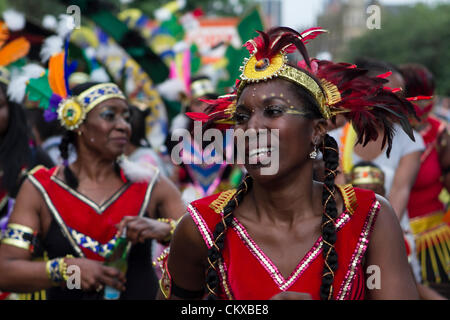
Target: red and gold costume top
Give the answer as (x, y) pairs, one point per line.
(90, 228)
(247, 273)
(424, 197)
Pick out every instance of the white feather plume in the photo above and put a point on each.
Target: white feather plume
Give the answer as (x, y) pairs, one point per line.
(18, 84)
(49, 22)
(66, 24)
(14, 20)
(171, 89)
(138, 171)
(162, 14)
(51, 46)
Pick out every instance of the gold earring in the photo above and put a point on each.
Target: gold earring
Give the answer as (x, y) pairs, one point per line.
(79, 133)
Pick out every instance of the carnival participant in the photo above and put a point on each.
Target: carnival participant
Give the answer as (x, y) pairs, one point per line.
(285, 236)
(197, 179)
(401, 166)
(139, 149)
(367, 175)
(77, 212)
(16, 153)
(425, 209)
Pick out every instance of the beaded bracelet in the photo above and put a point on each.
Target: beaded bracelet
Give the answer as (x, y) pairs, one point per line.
(173, 225)
(57, 270)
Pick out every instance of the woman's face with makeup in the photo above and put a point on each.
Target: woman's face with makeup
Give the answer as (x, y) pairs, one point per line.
(107, 129)
(276, 104)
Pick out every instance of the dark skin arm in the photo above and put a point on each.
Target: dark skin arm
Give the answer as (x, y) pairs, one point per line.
(444, 157)
(165, 202)
(19, 274)
(187, 260)
(387, 251)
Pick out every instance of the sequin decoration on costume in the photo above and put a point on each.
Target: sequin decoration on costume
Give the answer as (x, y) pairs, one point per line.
(93, 245)
(19, 236)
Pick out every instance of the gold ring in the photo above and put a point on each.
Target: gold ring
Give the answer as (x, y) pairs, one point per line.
(99, 288)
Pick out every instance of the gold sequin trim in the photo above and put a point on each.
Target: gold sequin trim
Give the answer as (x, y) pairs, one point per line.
(349, 196)
(222, 200)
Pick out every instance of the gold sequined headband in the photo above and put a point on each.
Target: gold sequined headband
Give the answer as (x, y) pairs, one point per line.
(253, 71)
(367, 175)
(73, 110)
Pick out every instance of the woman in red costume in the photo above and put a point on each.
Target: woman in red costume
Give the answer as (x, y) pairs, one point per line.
(425, 210)
(76, 212)
(286, 236)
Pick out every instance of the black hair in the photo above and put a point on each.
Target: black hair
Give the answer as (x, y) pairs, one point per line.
(69, 137)
(365, 164)
(15, 152)
(35, 117)
(138, 127)
(331, 158)
(419, 81)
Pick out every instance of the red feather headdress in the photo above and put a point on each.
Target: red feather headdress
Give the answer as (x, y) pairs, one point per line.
(339, 88)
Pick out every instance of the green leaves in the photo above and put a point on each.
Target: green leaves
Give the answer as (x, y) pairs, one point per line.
(419, 34)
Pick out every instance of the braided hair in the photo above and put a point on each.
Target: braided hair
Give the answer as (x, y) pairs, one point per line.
(331, 159)
(214, 253)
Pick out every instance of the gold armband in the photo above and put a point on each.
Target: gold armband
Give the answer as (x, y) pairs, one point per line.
(20, 236)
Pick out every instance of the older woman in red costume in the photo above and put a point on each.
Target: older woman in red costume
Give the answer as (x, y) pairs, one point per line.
(77, 212)
(425, 210)
(286, 236)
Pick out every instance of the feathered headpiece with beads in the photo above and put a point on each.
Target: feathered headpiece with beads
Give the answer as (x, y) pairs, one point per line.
(51, 91)
(338, 88)
(10, 52)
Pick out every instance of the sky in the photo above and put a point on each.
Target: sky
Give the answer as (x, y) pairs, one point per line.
(297, 13)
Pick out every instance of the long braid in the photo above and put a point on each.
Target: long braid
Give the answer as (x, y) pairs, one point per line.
(331, 159)
(67, 139)
(214, 253)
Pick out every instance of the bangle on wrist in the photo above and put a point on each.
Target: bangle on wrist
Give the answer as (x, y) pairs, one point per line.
(173, 225)
(57, 270)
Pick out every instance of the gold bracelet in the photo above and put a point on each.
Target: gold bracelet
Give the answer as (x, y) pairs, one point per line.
(57, 270)
(64, 267)
(173, 225)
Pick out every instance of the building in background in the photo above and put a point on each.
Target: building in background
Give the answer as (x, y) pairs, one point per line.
(271, 10)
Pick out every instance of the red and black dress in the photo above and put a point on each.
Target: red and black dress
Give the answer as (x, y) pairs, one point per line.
(426, 211)
(247, 273)
(82, 228)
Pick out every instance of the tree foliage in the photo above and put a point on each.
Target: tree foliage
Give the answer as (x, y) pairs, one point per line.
(419, 34)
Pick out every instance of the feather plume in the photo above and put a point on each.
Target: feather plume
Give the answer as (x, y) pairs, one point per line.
(56, 77)
(270, 43)
(311, 34)
(66, 24)
(4, 33)
(14, 20)
(137, 171)
(51, 46)
(18, 84)
(13, 51)
(366, 102)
